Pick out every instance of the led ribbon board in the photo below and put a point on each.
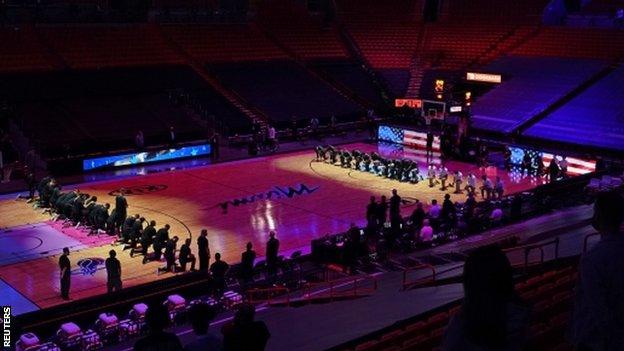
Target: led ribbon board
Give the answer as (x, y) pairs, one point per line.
(484, 77)
(145, 157)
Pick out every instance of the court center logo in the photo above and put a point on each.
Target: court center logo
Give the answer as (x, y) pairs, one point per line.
(276, 192)
(88, 266)
(138, 190)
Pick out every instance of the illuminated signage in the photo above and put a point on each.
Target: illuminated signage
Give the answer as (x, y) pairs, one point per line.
(484, 77)
(413, 103)
(455, 109)
(145, 157)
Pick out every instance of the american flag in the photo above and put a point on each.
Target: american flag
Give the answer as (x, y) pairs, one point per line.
(576, 166)
(419, 140)
(415, 144)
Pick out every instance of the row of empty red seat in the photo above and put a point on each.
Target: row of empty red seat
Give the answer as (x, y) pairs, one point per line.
(301, 33)
(595, 43)
(549, 294)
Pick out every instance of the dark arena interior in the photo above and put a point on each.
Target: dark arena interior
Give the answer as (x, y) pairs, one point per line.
(290, 175)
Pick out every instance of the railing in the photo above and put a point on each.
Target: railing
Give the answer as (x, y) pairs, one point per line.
(586, 240)
(529, 248)
(329, 290)
(268, 295)
(421, 281)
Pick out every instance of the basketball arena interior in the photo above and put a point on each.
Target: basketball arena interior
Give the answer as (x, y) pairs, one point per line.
(345, 175)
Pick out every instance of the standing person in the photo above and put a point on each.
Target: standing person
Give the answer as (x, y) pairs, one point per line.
(244, 333)
(113, 272)
(527, 164)
(486, 187)
(272, 137)
(553, 169)
(219, 269)
(443, 175)
(139, 140)
(491, 317)
(507, 158)
(214, 144)
(418, 216)
(186, 256)
(599, 306)
(172, 136)
(499, 188)
(272, 250)
(247, 263)
(395, 216)
(458, 182)
(170, 249)
(65, 267)
(371, 213)
(161, 239)
(471, 184)
(314, 125)
(121, 208)
(157, 339)
(429, 150)
(563, 165)
(382, 210)
(203, 251)
(395, 205)
(200, 316)
(431, 175)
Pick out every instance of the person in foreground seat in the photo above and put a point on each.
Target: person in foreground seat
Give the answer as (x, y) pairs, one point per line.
(157, 339)
(492, 317)
(598, 319)
(200, 316)
(245, 333)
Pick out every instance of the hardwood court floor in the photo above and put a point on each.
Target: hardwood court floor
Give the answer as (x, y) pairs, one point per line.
(189, 200)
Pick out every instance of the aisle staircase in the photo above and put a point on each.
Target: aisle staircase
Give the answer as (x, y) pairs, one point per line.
(236, 100)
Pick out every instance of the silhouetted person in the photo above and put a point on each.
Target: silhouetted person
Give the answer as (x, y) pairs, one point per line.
(214, 144)
(599, 306)
(172, 136)
(244, 333)
(186, 256)
(371, 213)
(272, 250)
(491, 317)
(162, 236)
(219, 269)
(203, 251)
(382, 211)
(553, 170)
(418, 216)
(395, 205)
(147, 238)
(247, 263)
(170, 249)
(65, 267)
(200, 316)
(429, 149)
(121, 209)
(157, 319)
(113, 272)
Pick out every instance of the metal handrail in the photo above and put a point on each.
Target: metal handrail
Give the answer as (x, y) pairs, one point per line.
(540, 246)
(407, 284)
(331, 286)
(269, 294)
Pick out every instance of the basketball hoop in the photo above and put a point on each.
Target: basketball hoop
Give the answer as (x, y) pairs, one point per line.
(428, 119)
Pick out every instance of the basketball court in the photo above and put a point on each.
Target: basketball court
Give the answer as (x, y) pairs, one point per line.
(298, 197)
